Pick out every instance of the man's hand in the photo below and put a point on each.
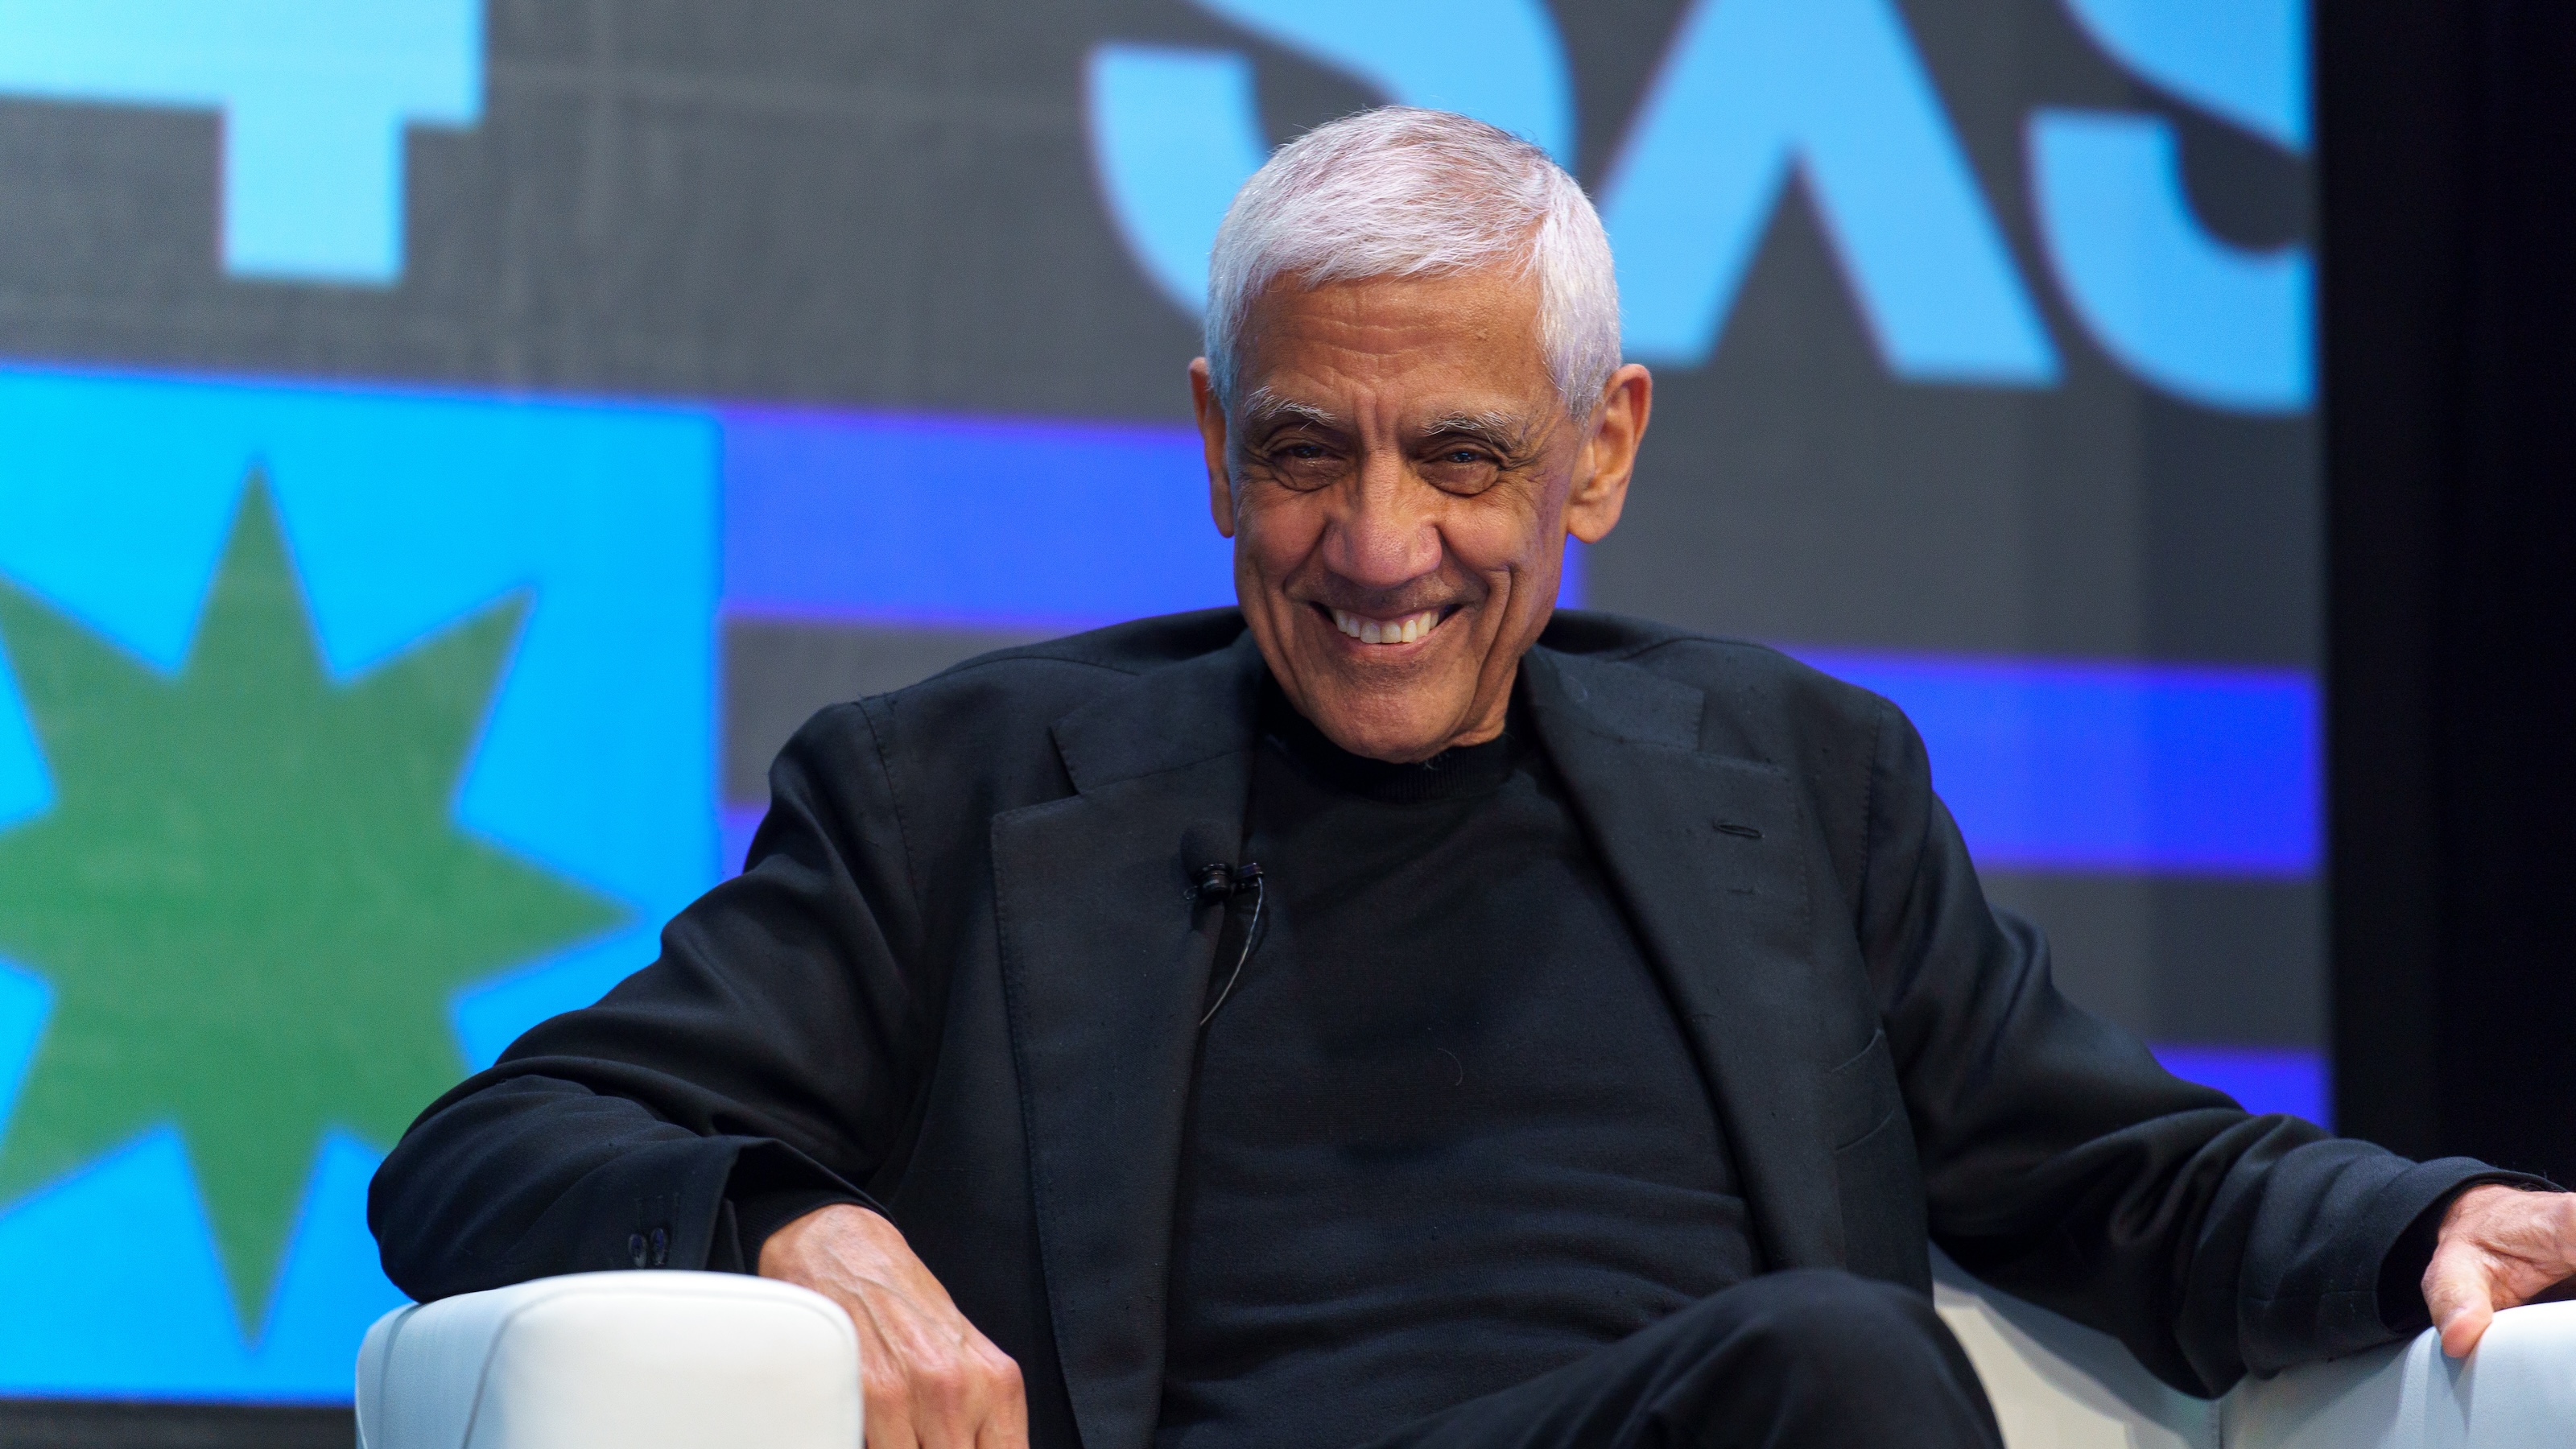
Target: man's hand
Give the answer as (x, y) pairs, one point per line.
(2500, 1247)
(932, 1381)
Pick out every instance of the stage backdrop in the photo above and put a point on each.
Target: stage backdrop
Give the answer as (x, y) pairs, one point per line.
(446, 447)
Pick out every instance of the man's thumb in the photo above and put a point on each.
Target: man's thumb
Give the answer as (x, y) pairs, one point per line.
(2456, 1295)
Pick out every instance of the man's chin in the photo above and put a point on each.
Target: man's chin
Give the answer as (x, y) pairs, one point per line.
(1399, 734)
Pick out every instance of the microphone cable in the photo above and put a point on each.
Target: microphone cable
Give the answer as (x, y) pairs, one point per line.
(1223, 883)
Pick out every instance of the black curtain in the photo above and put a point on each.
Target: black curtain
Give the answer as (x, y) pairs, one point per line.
(2448, 311)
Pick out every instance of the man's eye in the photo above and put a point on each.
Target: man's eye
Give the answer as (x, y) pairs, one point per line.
(1464, 457)
(1303, 466)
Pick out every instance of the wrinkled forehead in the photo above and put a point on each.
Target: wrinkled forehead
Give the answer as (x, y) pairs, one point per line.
(1466, 342)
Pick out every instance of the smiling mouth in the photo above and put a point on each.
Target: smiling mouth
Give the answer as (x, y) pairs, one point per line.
(1402, 629)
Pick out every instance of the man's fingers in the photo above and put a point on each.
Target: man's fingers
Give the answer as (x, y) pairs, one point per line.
(933, 1383)
(889, 1411)
(925, 1406)
(2460, 1294)
(951, 1400)
(2464, 1327)
(1008, 1426)
(930, 1379)
(999, 1435)
(888, 1427)
(882, 1387)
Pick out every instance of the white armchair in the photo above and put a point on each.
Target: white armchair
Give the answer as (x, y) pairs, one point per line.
(614, 1361)
(660, 1360)
(2058, 1385)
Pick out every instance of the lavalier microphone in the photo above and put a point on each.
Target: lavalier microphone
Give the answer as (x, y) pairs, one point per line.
(1218, 882)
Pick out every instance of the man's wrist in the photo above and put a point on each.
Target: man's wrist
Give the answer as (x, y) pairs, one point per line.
(773, 1185)
(759, 1219)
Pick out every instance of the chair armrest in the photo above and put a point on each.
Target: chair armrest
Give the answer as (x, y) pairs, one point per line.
(2517, 1391)
(650, 1360)
(2056, 1384)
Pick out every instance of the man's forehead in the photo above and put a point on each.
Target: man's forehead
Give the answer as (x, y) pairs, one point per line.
(1437, 410)
(1471, 318)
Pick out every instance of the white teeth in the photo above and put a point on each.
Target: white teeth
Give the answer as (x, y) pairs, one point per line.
(1393, 631)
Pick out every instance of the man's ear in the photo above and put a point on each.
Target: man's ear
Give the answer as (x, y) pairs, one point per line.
(1211, 416)
(1609, 456)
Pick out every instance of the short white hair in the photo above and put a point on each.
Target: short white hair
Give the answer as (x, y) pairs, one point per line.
(1403, 192)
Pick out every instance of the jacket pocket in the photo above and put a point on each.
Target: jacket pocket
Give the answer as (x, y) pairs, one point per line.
(1877, 1178)
(1861, 1094)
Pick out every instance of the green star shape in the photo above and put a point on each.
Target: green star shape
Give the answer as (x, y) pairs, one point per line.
(250, 895)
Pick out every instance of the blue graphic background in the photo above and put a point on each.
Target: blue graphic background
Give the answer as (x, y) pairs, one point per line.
(644, 529)
(412, 509)
(405, 511)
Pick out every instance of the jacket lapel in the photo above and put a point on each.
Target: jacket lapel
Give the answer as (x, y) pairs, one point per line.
(1105, 961)
(1708, 854)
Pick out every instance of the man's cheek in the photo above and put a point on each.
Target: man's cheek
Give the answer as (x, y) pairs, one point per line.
(1285, 543)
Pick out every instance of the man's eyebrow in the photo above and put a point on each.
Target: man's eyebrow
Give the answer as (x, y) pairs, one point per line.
(1502, 431)
(1263, 409)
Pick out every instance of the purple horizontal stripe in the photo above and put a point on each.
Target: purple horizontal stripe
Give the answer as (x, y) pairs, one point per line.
(961, 521)
(888, 518)
(2261, 1079)
(2114, 767)
(965, 521)
(735, 825)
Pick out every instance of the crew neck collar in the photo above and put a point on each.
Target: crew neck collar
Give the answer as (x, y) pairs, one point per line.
(1459, 771)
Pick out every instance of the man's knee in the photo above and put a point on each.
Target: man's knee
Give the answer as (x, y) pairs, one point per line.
(1813, 1356)
(1822, 1315)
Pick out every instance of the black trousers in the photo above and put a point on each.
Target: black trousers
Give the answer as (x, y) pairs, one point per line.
(1782, 1361)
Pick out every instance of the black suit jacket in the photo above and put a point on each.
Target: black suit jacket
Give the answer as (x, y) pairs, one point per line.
(962, 973)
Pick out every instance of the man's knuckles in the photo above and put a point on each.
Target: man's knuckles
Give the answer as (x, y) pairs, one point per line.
(959, 1381)
(1004, 1369)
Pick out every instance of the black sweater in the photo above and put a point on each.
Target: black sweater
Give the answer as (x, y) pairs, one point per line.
(1445, 1133)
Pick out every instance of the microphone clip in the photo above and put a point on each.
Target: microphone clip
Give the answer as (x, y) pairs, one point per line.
(1218, 881)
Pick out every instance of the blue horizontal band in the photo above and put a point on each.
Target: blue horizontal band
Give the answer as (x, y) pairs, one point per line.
(1006, 524)
(2116, 767)
(2095, 767)
(2123, 768)
(2261, 1079)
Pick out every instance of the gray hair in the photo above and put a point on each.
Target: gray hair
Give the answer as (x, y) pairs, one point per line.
(1401, 192)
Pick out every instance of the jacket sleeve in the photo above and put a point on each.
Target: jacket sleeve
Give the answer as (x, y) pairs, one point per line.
(762, 1066)
(2062, 1164)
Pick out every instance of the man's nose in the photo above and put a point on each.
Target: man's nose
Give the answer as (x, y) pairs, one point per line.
(1384, 536)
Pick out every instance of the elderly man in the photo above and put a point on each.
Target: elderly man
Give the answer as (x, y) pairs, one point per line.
(1393, 1013)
